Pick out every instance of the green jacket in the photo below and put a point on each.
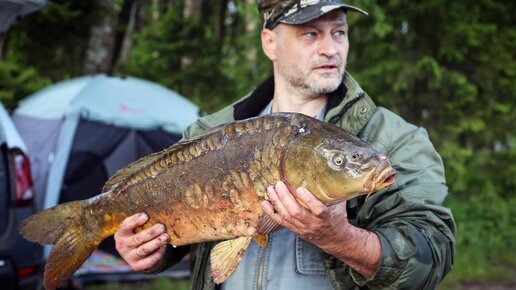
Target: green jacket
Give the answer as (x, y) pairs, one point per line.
(415, 230)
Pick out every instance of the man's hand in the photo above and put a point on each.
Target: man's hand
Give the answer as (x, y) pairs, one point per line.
(142, 251)
(316, 223)
(327, 227)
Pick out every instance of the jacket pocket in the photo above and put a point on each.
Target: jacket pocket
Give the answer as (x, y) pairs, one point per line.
(309, 260)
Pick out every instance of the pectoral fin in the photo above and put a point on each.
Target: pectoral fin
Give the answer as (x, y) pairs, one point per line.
(267, 225)
(262, 240)
(225, 257)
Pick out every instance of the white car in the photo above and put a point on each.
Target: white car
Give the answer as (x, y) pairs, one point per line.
(21, 261)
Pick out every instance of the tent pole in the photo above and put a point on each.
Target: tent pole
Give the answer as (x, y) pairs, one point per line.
(59, 162)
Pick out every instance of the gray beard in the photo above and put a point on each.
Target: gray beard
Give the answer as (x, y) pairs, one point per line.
(312, 87)
(320, 90)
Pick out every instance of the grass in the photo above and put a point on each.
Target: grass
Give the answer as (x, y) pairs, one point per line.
(162, 283)
(485, 242)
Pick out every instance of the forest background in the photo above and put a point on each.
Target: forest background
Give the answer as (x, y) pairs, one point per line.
(448, 66)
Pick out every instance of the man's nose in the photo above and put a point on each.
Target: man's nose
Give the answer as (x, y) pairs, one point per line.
(327, 46)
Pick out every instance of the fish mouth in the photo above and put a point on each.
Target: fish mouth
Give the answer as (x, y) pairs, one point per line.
(384, 179)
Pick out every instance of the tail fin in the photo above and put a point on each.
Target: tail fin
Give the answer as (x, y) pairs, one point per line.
(62, 226)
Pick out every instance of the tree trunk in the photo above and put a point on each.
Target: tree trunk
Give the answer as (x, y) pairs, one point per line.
(219, 18)
(192, 9)
(250, 29)
(127, 43)
(1, 47)
(100, 48)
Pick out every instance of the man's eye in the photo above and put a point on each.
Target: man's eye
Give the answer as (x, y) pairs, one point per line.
(310, 34)
(339, 33)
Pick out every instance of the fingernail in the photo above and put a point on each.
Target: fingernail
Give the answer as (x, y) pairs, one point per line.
(165, 238)
(143, 217)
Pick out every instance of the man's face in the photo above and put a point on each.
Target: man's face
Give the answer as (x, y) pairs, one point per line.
(312, 56)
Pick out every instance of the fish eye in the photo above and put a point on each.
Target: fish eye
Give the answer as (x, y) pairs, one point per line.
(355, 156)
(338, 159)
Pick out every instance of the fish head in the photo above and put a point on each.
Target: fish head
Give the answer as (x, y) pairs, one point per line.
(335, 165)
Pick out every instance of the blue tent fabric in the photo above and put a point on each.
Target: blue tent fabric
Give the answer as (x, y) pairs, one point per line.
(128, 102)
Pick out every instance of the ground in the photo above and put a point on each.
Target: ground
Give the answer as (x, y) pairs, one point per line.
(174, 284)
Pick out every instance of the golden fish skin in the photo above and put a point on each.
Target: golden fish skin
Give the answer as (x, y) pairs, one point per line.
(211, 187)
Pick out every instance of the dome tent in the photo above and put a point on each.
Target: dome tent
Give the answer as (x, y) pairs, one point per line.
(79, 132)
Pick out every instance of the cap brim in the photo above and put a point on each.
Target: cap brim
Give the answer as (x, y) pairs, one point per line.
(315, 11)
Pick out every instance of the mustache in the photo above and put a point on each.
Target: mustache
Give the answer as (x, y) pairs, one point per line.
(327, 62)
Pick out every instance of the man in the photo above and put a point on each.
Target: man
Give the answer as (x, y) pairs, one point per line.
(399, 238)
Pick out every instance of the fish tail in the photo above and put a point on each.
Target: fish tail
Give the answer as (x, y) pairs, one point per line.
(63, 226)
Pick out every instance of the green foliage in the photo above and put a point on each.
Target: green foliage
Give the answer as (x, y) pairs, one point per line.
(448, 66)
(17, 82)
(180, 53)
(189, 56)
(485, 240)
(51, 40)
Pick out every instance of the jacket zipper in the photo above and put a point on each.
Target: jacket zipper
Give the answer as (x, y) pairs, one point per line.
(200, 282)
(333, 119)
(260, 270)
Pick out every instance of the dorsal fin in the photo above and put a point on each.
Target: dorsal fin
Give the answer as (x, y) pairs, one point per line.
(186, 149)
(123, 175)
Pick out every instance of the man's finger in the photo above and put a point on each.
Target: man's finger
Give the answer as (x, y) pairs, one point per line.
(277, 203)
(147, 235)
(130, 223)
(151, 246)
(150, 261)
(269, 209)
(314, 205)
(288, 200)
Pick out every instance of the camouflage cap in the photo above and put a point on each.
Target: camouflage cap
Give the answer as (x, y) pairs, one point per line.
(273, 12)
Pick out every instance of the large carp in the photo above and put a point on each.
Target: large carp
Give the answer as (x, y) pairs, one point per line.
(211, 188)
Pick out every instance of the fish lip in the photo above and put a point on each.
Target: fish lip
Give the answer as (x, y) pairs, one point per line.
(385, 178)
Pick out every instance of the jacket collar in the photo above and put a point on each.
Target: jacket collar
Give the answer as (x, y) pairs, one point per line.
(349, 107)
(255, 102)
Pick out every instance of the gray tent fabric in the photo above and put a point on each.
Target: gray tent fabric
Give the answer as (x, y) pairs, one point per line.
(44, 134)
(10, 10)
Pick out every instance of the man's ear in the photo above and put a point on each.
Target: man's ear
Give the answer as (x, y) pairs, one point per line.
(269, 42)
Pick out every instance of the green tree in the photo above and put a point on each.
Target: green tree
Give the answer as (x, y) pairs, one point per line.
(450, 67)
(208, 55)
